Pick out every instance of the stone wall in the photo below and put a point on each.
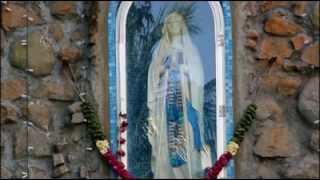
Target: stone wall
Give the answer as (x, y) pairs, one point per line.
(276, 66)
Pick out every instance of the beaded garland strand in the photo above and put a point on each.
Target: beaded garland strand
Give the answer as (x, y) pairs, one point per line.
(102, 144)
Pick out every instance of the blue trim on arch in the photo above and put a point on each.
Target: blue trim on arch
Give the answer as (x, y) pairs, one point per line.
(228, 78)
(111, 31)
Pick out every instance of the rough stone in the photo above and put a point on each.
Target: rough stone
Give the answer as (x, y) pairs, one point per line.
(77, 118)
(274, 48)
(275, 142)
(8, 114)
(12, 89)
(279, 25)
(309, 101)
(253, 34)
(70, 54)
(264, 172)
(310, 55)
(55, 91)
(83, 172)
(305, 168)
(39, 114)
(60, 171)
(60, 146)
(284, 85)
(56, 31)
(16, 18)
(39, 142)
(38, 173)
(75, 107)
(269, 5)
(316, 16)
(39, 57)
(252, 44)
(63, 8)
(58, 159)
(315, 141)
(251, 8)
(300, 8)
(300, 40)
(5, 173)
(268, 108)
(299, 66)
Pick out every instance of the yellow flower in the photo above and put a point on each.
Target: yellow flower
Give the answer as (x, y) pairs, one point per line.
(103, 146)
(232, 147)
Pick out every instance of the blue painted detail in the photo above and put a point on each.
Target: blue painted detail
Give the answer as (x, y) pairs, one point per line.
(228, 78)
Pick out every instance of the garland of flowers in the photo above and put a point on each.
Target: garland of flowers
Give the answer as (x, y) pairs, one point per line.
(102, 144)
(233, 145)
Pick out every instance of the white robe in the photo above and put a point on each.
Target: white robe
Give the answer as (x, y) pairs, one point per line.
(157, 131)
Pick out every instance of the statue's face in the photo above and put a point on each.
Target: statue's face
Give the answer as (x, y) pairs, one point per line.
(174, 24)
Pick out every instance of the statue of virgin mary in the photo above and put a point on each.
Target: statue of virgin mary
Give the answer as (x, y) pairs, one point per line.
(175, 104)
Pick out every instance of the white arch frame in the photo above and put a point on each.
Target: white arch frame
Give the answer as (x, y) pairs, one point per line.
(219, 58)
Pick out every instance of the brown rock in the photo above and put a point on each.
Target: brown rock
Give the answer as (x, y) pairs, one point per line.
(39, 114)
(5, 173)
(60, 171)
(279, 25)
(38, 56)
(315, 141)
(288, 86)
(264, 172)
(16, 17)
(274, 48)
(275, 142)
(305, 168)
(8, 114)
(58, 159)
(38, 173)
(252, 44)
(253, 34)
(55, 91)
(310, 55)
(252, 8)
(56, 31)
(308, 104)
(268, 108)
(300, 8)
(58, 147)
(70, 54)
(63, 8)
(300, 40)
(268, 5)
(83, 172)
(12, 89)
(38, 141)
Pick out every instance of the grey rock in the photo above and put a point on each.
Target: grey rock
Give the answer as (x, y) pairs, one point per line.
(58, 159)
(315, 141)
(38, 141)
(309, 101)
(305, 167)
(77, 118)
(75, 107)
(60, 171)
(83, 172)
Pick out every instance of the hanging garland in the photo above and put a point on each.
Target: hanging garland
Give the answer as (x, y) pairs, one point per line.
(102, 144)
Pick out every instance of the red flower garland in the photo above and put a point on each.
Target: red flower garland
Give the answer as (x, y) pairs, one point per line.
(118, 166)
(217, 167)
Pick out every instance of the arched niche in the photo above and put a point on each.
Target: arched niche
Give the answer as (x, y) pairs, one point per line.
(119, 86)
